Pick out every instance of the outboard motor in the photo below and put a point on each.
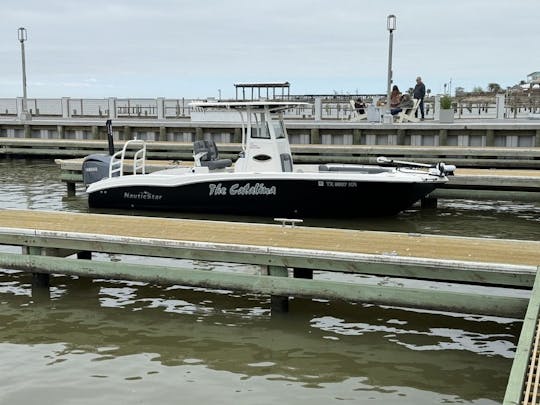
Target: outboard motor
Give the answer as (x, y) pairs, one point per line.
(96, 167)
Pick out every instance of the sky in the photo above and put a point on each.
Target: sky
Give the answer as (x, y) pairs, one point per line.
(200, 48)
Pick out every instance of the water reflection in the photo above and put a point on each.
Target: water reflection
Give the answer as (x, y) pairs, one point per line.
(316, 344)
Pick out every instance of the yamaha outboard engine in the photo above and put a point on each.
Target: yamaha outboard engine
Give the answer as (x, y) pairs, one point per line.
(96, 167)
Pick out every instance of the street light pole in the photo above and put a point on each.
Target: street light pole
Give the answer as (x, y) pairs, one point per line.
(391, 26)
(23, 37)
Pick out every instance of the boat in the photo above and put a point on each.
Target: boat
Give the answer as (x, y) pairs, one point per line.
(263, 180)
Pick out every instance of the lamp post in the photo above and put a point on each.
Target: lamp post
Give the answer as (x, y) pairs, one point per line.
(391, 26)
(22, 34)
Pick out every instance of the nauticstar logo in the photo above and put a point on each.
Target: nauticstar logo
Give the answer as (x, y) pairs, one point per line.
(142, 195)
(237, 189)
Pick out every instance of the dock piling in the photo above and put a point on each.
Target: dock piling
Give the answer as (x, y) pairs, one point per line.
(39, 280)
(278, 303)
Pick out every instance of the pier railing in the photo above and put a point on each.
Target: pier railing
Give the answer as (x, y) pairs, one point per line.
(322, 107)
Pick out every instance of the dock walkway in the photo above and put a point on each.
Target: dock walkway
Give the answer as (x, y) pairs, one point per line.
(500, 263)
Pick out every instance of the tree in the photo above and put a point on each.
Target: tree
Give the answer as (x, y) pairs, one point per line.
(477, 89)
(494, 87)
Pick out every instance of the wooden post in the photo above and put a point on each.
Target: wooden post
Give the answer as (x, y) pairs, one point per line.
(537, 138)
(127, 133)
(71, 189)
(95, 132)
(490, 137)
(39, 280)
(27, 131)
(357, 137)
(278, 303)
(61, 131)
(401, 136)
(443, 137)
(162, 134)
(199, 134)
(315, 136)
(237, 136)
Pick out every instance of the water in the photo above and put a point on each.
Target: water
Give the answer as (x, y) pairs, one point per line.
(123, 342)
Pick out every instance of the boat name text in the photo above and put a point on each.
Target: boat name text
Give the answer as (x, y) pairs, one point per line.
(142, 195)
(237, 189)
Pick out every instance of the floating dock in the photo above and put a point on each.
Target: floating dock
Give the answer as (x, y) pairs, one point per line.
(290, 260)
(490, 262)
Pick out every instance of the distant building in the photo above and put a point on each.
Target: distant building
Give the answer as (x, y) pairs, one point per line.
(533, 77)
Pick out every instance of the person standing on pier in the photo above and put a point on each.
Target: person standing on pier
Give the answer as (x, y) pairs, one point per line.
(419, 93)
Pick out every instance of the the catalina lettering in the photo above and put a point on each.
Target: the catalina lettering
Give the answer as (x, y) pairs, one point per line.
(248, 189)
(217, 189)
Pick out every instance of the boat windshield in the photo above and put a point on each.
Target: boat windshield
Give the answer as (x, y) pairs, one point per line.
(259, 127)
(279, 130)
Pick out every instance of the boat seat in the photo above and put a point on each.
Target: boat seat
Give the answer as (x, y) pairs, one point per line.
(206, 154)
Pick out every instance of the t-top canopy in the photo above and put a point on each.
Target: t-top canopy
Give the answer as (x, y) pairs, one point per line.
(250, 105)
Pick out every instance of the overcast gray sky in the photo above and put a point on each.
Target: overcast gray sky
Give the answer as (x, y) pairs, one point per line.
(192, 48)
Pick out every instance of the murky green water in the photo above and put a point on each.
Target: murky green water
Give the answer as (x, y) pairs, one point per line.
(119, 342)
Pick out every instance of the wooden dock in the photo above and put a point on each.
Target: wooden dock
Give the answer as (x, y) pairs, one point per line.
(500, 263)
(290, 260)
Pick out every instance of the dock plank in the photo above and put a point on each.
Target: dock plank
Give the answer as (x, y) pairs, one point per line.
(321, 239)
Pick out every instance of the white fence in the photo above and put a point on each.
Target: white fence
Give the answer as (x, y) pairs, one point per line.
(163, 108)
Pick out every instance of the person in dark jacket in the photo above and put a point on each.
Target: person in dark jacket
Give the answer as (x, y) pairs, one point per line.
(419, 93)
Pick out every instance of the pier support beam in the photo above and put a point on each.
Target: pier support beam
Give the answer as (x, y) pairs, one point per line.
(357, 137)
(237, 136)
(127, 133)
(39, 280)
(199, 134)
(490, 137)
(71, 188)
(95, 132)
(443, 137)
(162, 137)
(400, 135)
(61, 131)
(278, 303)
(537, 138)
(315, 136)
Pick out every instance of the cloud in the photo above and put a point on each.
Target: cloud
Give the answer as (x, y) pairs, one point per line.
(182, 45)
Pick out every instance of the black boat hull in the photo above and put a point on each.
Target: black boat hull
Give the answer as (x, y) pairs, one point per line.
(269, 198)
